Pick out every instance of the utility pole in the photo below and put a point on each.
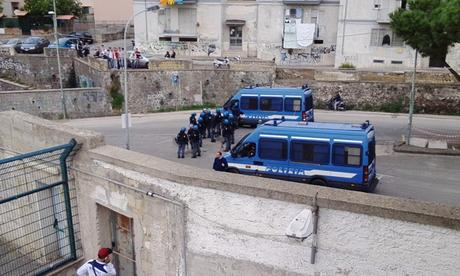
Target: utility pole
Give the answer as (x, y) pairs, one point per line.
(412, 100)
(64, 110)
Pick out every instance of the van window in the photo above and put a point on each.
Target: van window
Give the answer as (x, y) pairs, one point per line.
(271, 103)
(308, 102)
(371, 150)
(249, 103)
(292, 104)
(310, 152)
(272, 149)
(347, 155)
(248, 150)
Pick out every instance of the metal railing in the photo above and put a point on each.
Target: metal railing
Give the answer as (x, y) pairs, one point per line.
(39, 229)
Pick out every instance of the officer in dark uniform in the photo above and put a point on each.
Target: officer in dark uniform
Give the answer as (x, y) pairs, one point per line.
(195, 142)
(227, 134)
(192, 119)
(232, 121)
(182, 141)
(218, 123)
(208, 117)
(201, 130)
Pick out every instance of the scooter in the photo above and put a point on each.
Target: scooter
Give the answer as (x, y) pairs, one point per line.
(336, 104)
(221, 62)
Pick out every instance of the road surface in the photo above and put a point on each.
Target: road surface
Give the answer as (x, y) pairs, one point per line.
(423, 177)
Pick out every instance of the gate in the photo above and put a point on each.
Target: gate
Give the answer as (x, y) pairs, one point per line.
(39, 228)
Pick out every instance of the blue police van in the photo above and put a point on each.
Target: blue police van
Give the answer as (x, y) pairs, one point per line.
(340, 155)
(254, 104)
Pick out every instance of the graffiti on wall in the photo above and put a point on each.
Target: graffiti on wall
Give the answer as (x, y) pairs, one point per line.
(11, 64)
(316, 55)
(84, 81)
(202, 48)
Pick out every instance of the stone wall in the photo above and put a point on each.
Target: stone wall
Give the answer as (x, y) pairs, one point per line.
(151, 90)
(200, 222)
(40, 70)
(390, 97)
(423, 76)
(80, 103)
(6, 85)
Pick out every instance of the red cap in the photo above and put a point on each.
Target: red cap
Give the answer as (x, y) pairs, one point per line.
(104, 252)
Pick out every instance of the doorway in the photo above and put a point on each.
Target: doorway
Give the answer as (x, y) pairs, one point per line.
(120, 239)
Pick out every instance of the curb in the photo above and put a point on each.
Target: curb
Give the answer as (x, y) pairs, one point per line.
(402, 147)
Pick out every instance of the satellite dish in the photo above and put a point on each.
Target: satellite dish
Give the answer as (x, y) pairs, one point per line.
(301, 227)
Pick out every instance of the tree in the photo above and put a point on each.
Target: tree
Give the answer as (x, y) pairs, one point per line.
(430, 26)
(42, 7)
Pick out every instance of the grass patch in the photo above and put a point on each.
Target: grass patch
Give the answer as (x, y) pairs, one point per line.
(346, 65)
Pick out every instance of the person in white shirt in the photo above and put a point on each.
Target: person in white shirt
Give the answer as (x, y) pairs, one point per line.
(100, 266)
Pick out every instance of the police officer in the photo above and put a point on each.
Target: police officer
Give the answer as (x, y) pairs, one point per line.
(192, 119)
(227, 133)
(201, 130)
(232, 121)
(194, 141)
(208, 117)
(218, 122)
(182, 141)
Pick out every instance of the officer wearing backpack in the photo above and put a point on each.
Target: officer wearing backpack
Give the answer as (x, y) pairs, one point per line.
(182, 141)
(100, 266)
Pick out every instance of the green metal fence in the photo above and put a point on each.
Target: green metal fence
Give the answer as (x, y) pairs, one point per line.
(39, 229)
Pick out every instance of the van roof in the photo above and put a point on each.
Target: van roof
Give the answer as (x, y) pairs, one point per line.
(274, 90)
(299, 128)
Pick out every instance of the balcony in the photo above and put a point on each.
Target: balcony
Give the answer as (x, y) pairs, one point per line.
(302, 2)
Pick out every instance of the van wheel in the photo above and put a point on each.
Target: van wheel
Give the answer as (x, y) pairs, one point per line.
(318, 181)
(233, 170)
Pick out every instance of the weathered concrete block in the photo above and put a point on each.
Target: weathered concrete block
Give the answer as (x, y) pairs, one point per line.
(418, 142)
(437, 144)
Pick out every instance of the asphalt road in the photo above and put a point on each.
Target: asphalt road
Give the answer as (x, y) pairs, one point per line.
(423, 177)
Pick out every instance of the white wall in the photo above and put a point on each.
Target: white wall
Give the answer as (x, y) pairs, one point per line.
(249, 232)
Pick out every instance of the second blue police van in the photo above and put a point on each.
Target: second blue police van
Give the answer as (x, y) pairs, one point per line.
(333, 154)
(254, 104)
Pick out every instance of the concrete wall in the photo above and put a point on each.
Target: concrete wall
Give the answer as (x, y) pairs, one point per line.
(236, 225)
(80, 103)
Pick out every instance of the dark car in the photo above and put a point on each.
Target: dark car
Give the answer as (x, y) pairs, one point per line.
(84, 37)
(32, 45)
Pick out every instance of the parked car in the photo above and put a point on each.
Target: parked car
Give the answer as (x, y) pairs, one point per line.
(12, 42)
(32, 45)
(84, 37)
(65, 42)
(142, 62)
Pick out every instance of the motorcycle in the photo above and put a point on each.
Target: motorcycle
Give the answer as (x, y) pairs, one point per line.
(336, 103)
(221, 62)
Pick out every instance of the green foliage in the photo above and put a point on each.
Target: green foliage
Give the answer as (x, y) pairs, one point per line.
(117, 97)
(430, 26)
(346, 66)
(63, 7)
(395, 106)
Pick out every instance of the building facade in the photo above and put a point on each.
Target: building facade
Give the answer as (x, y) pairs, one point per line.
(255, 29)
(292, 32)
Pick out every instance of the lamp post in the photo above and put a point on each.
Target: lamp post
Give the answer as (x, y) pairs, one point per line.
(64, 110)
(125, 71)
(412, 100)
